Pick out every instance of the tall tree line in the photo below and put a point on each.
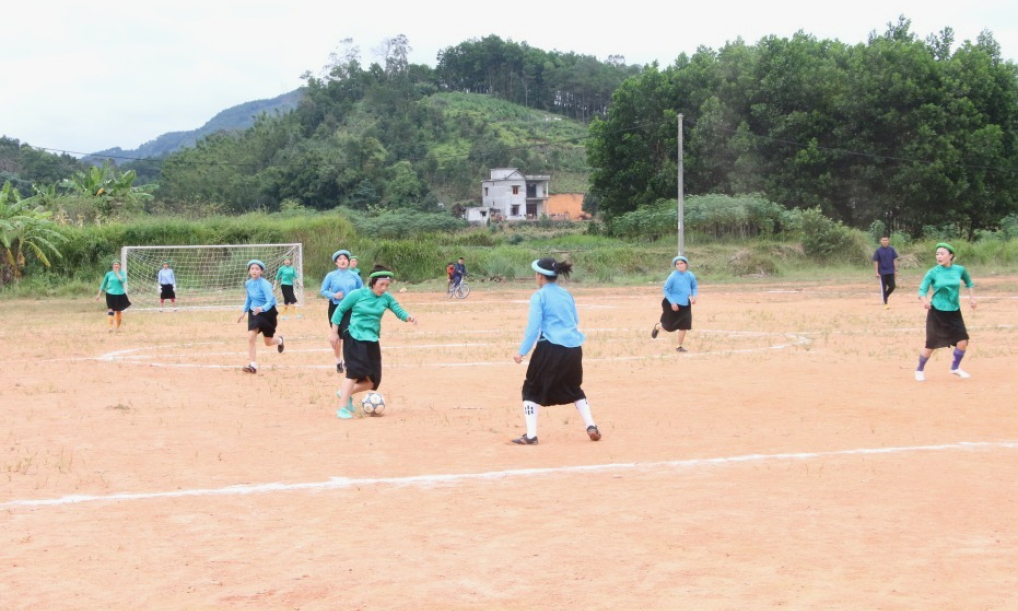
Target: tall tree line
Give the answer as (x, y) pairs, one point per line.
(572, 85)
(912, 132)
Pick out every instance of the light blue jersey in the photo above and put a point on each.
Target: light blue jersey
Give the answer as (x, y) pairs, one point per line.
(259, 295)
(340, 280)
(679, 287)
(552, 317)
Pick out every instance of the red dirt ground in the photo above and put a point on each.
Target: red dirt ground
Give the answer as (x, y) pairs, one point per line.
(789, 460)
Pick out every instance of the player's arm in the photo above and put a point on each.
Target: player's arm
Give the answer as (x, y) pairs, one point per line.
(533, 328)
(247, 307)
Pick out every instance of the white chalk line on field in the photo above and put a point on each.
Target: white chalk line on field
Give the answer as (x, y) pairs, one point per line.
(138, 356)
(425, 481)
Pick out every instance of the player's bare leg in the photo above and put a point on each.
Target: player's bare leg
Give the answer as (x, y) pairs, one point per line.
(347, 389)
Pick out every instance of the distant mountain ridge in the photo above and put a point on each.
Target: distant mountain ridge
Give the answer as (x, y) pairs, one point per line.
(239, 117)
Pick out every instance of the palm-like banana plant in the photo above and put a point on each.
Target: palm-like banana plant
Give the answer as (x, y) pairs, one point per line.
(109, 191)
(24, 228)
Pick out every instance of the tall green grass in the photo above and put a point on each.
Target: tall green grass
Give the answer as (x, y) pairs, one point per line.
(503, 251)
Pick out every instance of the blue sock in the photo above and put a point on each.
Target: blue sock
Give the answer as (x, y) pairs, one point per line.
(922, 362)
(958, 356)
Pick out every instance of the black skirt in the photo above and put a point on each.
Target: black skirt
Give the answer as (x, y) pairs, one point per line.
(288, 296)
(554, 375)
(944, 329)
(117, 303)
(676, 321)
(332, 310)
(363, 360)
(166, 291)
(264, 323)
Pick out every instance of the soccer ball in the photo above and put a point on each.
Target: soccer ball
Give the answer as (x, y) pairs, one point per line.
(373, 404)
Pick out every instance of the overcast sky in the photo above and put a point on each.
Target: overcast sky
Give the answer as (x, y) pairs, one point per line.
(87, 76)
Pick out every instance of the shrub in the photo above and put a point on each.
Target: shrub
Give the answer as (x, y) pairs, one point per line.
(824, 239)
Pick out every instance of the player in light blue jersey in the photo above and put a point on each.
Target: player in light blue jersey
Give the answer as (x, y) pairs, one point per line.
(339, 283)
(260, 309)
(167, 286)
(680, 292)
(555, 372)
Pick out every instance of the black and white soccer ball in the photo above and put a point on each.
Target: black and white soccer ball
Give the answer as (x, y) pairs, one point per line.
(373, 404)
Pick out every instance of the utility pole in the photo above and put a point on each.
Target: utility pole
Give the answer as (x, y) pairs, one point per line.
(682, 231)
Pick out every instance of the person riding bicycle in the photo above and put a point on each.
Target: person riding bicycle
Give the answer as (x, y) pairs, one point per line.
(459, 272)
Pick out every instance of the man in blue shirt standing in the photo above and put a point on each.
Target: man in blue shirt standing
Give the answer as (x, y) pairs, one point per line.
(885, 263)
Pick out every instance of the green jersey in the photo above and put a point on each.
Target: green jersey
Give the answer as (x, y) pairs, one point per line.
(946, 284)
(112, 284)
(366, 313)
(286, 275)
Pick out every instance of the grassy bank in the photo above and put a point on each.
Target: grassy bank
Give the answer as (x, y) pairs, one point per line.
(504, 252)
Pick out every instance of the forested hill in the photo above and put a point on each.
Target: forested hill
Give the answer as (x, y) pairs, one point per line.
(239, 117)
(915, 133)
(396, 135)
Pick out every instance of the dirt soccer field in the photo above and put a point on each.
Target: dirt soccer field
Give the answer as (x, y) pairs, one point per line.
(789, 460)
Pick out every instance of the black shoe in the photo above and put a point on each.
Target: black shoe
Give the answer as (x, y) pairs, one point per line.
(523, 440)
(339, 367)
(654, 332)
(681, 349)
(281, 346)
(249, 369)
(593, 433)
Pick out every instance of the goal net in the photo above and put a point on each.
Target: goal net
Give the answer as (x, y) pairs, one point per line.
(208, 277)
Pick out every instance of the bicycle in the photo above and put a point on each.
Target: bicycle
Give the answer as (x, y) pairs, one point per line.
(460, 290)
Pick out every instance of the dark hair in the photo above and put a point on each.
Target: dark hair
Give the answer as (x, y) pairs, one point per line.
(561, 268)
(377, 268)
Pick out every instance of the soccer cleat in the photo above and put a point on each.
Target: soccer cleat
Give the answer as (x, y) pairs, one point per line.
(887, 307)
(249, 369)
(344, 414)
(681, 349)
(593, 433)
(655, 330)
(523, 440)
(961, 373)
(920, 376)
(281, 345)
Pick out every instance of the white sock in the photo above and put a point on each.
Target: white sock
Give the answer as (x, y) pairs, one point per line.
(584, 408)
(530, 415)
(254, 365)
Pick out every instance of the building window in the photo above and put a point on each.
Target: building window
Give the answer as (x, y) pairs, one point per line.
(515, 211)
(486, 191)
(516, 189)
